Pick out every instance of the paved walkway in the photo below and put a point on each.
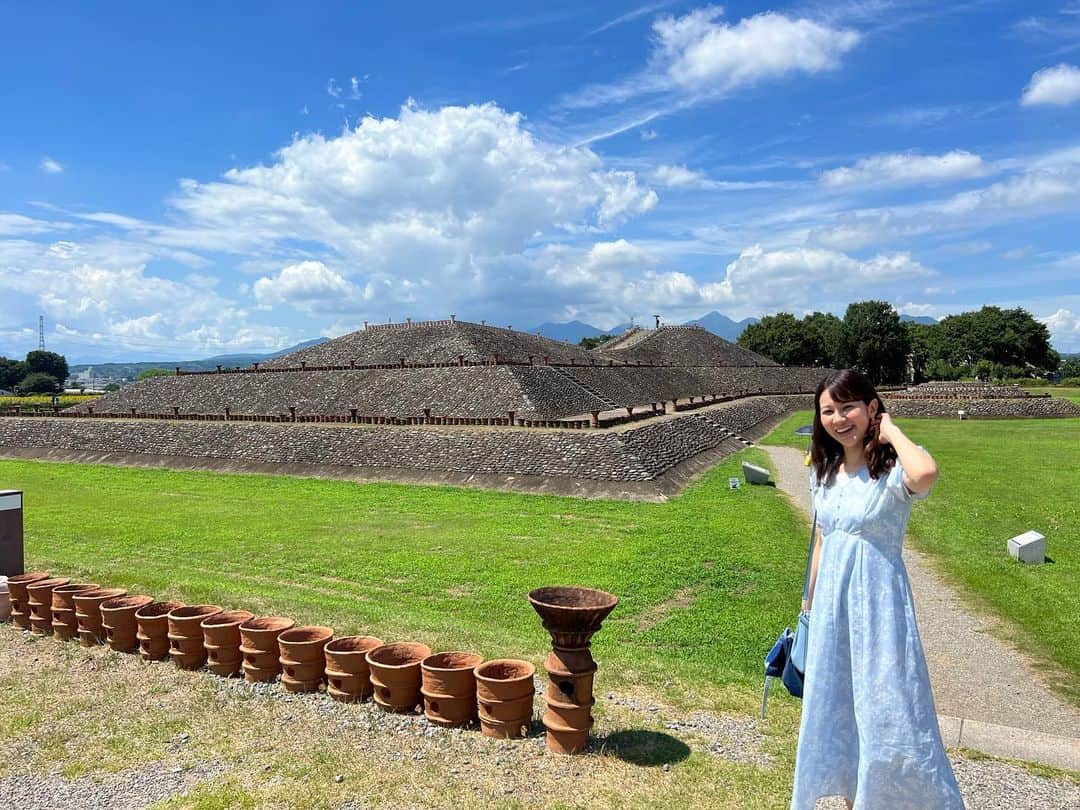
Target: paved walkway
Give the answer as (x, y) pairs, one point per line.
(988, 695)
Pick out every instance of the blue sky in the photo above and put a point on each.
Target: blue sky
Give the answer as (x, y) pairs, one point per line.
(183, 181)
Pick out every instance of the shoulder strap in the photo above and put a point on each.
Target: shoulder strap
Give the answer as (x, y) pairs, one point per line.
(809, 558)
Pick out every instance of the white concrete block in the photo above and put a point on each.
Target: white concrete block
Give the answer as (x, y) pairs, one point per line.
(1029, 547)
(754, 474)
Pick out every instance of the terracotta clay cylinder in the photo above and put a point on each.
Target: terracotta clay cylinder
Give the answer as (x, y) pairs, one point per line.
(185, 635)
(20, 611)
(119, 623)
(88, 614)
(39, 603)
(504, 693)
(565, 740)
(348, 677)
(448, 686)
(64, 625)
(302, 658)
(259, 647)
(504, 679)
(575, 688)
(395, 674)
(153, 629)
(221, 639)
(569, 716)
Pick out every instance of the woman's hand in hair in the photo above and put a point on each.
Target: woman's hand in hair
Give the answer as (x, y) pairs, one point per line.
(883, 428)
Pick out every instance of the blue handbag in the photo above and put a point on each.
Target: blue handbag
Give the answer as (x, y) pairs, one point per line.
(787, 658)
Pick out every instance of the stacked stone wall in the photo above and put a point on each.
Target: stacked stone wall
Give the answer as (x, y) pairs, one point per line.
(1025, 407)
(635, 454)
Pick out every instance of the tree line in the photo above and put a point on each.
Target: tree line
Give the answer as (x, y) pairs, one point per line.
(40, 373)
(990, 344)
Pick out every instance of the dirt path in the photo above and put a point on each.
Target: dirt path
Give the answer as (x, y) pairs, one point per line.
(988, 694)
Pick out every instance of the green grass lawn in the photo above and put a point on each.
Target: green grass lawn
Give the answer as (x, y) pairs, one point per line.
(706, 581)
(1000, 478)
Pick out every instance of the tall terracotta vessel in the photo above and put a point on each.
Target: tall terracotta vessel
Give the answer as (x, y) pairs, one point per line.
(39, 601)
(20, 611)
(571, 616)
(64, 624)
(259, 646)
(221, 639)
(185, 635)
(153, 629)
(88, 614)
(118, 621)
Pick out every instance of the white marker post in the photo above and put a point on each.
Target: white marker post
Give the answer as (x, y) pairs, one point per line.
(11, 532)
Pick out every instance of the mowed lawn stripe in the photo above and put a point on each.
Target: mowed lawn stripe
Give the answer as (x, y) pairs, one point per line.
(705, 581)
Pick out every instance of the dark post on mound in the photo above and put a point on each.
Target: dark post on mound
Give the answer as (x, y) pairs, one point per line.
(11, 532)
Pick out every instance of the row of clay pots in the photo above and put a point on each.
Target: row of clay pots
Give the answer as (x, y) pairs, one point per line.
(454, 688)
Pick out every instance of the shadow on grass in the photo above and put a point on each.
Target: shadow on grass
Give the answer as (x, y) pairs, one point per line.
(640, 747)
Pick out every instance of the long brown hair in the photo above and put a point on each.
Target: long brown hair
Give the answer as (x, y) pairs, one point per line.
(826, 453)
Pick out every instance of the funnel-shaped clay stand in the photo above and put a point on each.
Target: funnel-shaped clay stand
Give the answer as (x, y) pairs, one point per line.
(571, 615)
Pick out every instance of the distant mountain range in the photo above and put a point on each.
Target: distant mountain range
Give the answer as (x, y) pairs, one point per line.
(926, 319)
(574, 331)
(129, 370)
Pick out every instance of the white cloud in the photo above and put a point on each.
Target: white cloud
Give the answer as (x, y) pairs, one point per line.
(906, 168)
(1064, 326)
(649, 134)
(333, 89)
(1058, 86)
(697, 50)
(19, 225)
(699, 56)
(680, 177)
(310, 286)
(50, 166)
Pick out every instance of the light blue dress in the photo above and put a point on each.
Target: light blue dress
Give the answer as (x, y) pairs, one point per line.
(869, 729)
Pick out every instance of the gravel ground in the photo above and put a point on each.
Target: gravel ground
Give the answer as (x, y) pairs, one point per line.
(119, 791)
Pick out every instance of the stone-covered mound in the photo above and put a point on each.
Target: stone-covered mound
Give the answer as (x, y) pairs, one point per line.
(622, 463)
(427, 342)
(964, 390)
(989, 408)
(545, 392)
(679, 346)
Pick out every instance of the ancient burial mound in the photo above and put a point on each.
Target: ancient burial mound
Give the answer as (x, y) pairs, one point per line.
(450, 369)
(678, 346)
(445, 401)
(977, 401)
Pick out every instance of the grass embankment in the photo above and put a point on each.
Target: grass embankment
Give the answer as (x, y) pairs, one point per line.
(1000, 478)
(705, 581)
(45, 400)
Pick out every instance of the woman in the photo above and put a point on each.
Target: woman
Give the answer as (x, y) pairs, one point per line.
(869, 730)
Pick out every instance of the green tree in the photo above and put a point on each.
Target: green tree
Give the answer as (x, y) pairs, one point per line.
(593, 342)
(38, 383)
(1070, 367)
(112, 387)
(153, 372)
(926, 351)
(1010, 337)
(12, 372)
(780, 337)
(877, 341)
(826, 340)
(51, 363)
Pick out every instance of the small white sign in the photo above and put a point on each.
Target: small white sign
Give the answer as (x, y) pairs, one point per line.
(733, 483)
(10, 500)
(1029, 547)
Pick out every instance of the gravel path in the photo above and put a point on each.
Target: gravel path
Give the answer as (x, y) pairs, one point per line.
(999, 685)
